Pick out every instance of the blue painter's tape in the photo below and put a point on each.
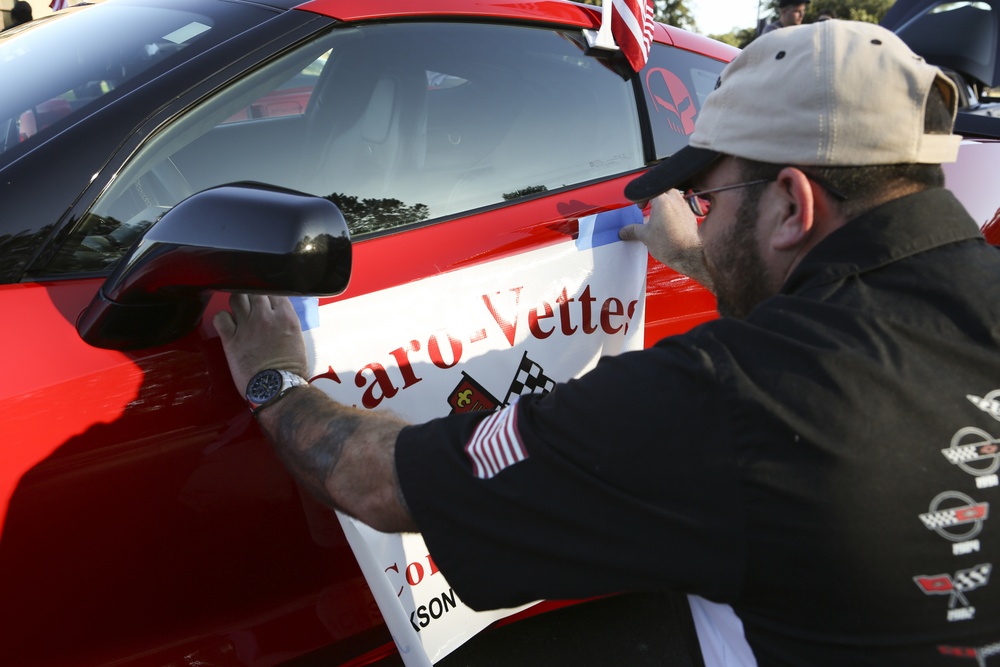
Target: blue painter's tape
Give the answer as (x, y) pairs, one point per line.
(602, 229)
(307, 308)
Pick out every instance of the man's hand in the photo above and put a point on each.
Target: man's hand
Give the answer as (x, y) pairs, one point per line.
(261, 332)
(670, 232)
(344, 456)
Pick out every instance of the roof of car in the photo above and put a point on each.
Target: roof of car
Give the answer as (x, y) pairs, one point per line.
(559, 12)
(568, 13)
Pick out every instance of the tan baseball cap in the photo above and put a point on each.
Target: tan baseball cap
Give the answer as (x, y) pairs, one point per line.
(832, 93)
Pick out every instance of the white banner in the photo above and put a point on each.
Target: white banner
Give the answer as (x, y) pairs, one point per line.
(475, 338)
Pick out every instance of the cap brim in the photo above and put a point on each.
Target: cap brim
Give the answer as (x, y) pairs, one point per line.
(673, 172)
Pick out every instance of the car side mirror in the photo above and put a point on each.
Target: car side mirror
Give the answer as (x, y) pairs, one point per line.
(241, 237)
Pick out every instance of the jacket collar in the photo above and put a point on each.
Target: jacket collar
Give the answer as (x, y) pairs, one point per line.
(890, 232)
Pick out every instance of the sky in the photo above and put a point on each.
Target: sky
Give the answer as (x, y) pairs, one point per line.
(717, 17)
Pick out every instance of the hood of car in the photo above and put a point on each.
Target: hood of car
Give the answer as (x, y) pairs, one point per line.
(961, 36)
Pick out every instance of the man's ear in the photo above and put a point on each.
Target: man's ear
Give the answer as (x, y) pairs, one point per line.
(796, 197)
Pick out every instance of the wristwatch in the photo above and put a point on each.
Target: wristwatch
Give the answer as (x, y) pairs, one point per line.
(267, 386)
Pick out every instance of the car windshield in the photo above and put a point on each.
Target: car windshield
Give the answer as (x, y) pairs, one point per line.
(84, 57)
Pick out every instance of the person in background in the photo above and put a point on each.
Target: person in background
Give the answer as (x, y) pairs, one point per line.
(20, 13)
(826, 15)
(812, 472)
(790, 12)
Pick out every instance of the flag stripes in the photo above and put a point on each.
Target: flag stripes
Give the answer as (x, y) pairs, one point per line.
(496, 444)
(632, 27)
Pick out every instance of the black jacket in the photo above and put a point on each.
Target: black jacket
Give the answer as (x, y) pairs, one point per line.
(825, 466)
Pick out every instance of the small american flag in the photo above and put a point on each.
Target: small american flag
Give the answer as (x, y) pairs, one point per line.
(496, 444)
(56, 5)
(632, 28)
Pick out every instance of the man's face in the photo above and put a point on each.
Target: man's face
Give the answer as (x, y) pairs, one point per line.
(792, 14)
(731, 245)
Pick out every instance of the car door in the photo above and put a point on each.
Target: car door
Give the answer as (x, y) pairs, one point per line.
(144, 519)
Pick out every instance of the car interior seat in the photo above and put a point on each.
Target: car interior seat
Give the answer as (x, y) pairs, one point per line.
(370, 143)
(42, 116)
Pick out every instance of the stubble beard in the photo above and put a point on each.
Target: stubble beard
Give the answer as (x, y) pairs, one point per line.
(739, 275)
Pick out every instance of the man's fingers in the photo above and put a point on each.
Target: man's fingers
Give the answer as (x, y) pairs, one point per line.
(634, 232)
(240, 305)
(283, 306)
(225, 325)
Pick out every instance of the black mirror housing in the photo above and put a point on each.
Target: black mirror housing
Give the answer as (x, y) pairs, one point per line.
(241, 237)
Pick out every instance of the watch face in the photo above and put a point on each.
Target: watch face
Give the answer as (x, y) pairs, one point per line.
(264, 386)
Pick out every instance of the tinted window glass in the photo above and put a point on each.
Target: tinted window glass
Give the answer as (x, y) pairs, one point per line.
(78, 59)
(396, 123)
(676, 83)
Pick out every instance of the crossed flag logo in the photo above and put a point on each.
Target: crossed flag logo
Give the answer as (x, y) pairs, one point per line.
(470, 396)
(963, 581)
(990, 403)
(980, 654)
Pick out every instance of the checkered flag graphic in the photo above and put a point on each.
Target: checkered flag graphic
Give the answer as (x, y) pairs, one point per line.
(961, 454)
(966, 453)
(529, 379)
(974, 577)
(955, 587)
(955, 516)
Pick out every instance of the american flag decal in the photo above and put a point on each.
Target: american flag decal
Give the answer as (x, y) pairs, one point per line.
(632, 28)
(496, 444)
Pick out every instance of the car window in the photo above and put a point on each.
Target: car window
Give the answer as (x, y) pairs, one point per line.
(397, 123)
(676, 83)
(53, 74)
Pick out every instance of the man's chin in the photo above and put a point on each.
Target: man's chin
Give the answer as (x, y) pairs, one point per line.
(726, 308)
(739, 308)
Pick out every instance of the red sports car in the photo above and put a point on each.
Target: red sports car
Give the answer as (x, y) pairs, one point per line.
(439, 185)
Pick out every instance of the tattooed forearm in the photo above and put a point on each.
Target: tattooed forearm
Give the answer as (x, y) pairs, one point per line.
(344, 456)
(310, 447)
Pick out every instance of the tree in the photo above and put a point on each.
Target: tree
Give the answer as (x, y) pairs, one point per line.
(671, 12)
(675, 12)
(373, 215)
(738, 38)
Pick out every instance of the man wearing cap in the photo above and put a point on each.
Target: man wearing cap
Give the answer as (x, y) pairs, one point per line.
(821, 460)
(790, 12)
